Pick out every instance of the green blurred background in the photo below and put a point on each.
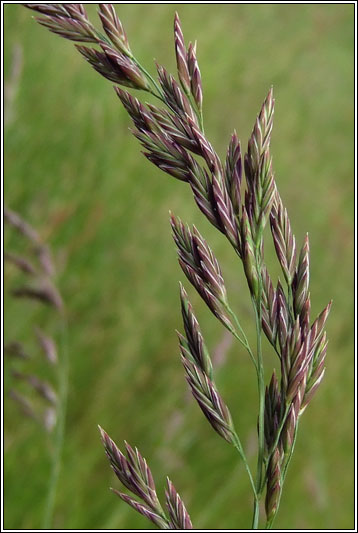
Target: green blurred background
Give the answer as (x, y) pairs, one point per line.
(75, 172)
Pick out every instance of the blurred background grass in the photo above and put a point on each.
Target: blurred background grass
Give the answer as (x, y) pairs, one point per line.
(75, 172)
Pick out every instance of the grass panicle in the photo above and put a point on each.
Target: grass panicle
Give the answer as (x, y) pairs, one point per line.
(173, 138)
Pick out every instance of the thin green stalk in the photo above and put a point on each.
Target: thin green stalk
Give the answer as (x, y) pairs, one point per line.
(261, 438)
(199, 115)
(201, 120)
(105, 39)
(60, 428)
(198, 111)
(283, 477)
(157, 94)
(261, 389)
(279, 431)
(274, 446)
(255, 487)
(244, 341)
(238, 446)
(256, 513)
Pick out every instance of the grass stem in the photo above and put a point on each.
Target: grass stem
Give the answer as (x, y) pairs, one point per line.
(60, 429)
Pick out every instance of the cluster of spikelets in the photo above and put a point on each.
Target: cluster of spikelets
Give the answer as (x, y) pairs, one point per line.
(136, 476)
(174, 140)
(38, 268)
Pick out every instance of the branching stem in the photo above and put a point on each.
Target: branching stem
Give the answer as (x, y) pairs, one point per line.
(238, 446)
(243, 340)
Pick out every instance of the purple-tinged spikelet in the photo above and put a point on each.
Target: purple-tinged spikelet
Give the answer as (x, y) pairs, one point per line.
(113, 28)
(175, 127)
(317, 328)
(167, 155)
(261, 188)
(225, 209)
(202, 269)
(316, 372)
(67, 20)
(75, 11)
(193, 346)
(207, 151)
(132, 471)
(283, 239)
(114, 66)
(174, 96)
(282, 315)
(179, 516)
(203, 194)
(260, 139)
(248, 255)
(301, 279)
(233, 173)
(195, 76)
(272, 411)
(139, 113)
(143, 509)
(290, 427)
(273, 485)
(269, 307)
(209, 400)
(181, 55)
